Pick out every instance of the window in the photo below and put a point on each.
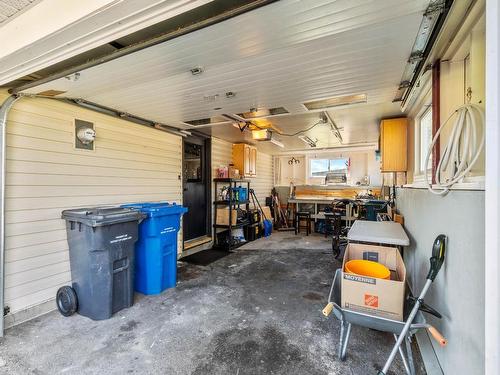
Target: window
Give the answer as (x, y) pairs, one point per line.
(320, 167)
(425, 137)
(192, 162)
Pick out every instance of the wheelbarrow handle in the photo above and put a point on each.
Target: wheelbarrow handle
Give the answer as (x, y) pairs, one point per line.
(328, 309)
(437, 336)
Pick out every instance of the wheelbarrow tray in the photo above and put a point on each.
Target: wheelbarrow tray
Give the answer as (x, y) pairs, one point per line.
(368, 320)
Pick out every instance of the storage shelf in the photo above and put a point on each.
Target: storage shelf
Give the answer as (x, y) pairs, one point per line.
(226, 203)
(236, 226)
(228, 180)
(227, 230)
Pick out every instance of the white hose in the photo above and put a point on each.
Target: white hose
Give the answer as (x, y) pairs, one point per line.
(462, 150)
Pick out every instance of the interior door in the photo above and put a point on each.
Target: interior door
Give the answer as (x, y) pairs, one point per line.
(196, 181)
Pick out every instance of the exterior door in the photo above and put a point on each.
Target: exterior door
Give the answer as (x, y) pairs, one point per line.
(196, 181)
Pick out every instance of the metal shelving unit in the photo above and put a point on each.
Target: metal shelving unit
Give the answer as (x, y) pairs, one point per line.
(232, 204)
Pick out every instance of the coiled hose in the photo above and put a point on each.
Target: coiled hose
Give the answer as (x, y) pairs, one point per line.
(461, 151)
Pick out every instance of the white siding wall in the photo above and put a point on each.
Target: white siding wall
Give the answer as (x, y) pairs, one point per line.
(46, 174)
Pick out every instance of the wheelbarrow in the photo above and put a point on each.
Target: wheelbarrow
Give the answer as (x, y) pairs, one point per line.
(348, 317)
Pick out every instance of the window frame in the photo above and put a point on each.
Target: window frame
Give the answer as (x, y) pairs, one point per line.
(310, 174)
(419, 172)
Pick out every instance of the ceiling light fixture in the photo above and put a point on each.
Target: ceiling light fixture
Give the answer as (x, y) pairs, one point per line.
(277, 143)
(334, 127)
(308, 141)
(335, 101)
(264, 112)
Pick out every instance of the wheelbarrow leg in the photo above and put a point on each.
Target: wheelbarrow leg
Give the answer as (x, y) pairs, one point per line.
(345, 332)
(346, 341)
(341, 343)
(403, 357)
(409, 354)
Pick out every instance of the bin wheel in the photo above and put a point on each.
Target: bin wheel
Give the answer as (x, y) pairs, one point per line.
(67, 301)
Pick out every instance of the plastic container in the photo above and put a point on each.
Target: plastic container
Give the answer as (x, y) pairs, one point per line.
(251, 232)
(243, 193)
(101, 251)
(253, 216)
(368, 268)
(156, 250)
(268, 228)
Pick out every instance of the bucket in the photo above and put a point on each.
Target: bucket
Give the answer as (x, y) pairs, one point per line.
(367, 268)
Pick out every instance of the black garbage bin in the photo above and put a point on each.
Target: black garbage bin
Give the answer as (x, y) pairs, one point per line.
(101, 248)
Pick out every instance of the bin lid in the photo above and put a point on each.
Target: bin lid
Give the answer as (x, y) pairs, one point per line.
(101, 216)
(157, 208)
(382, 232)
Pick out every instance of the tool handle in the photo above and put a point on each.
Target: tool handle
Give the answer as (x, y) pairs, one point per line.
(328, 309)
(437, 336)
(437, 259)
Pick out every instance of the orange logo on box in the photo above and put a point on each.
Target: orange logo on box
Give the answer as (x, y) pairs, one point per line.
(371, 301)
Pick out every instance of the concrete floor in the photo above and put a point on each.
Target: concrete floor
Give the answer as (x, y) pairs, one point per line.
(256, 311)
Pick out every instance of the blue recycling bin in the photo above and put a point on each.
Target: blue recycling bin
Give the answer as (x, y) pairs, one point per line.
(156, 249)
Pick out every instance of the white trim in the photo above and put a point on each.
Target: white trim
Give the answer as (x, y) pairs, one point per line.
(492, 196)
(470, 183)
(418, 173)
(70, 28)
(353, 147)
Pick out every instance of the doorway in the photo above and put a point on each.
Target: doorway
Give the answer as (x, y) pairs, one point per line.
(196, 175)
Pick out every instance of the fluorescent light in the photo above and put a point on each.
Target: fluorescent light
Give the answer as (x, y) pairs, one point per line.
(308, 141)
(277, 143)
(335, 101)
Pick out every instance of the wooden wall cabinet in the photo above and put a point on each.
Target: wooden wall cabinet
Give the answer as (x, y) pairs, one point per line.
(245, 159)
(394, 145)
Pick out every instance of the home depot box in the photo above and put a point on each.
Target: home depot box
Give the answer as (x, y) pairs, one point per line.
(384, 298)
(223, 216)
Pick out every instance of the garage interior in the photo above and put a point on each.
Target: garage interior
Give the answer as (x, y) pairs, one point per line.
(293, 133)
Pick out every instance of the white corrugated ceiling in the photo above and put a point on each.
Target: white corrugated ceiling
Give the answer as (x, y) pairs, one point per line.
(282, 54)
(10, 8)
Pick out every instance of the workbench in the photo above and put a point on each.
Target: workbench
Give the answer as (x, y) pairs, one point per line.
(322, 200)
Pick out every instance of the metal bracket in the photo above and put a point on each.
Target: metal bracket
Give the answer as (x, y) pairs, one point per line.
(404, 85)
(416, 56)
(6, 310)
(437, 6)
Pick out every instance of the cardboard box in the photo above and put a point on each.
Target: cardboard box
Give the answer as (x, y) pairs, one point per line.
(233, 172)
(267, 211)
(223, 216)
(384, 298)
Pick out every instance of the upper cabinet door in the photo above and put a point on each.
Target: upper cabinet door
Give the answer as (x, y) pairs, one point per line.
(246, 162)
(393, 145)
(253, 161)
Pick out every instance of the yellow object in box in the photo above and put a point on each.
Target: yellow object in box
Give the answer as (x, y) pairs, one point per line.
(368, 268)
(371, 295)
